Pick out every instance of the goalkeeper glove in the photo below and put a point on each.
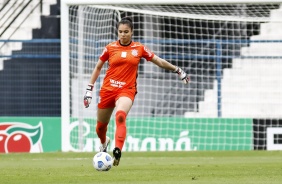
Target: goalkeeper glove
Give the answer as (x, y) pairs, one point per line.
(88, 95)
(182, 75)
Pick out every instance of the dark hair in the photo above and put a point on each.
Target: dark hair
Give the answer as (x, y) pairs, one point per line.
(127, 21)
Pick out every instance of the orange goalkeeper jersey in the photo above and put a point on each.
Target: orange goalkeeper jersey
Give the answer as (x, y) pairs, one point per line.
(123, 64)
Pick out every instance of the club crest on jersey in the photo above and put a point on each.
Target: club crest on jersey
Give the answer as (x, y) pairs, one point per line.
(134, 52)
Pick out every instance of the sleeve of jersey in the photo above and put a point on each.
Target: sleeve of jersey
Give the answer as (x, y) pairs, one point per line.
(105, 55)
(147, 54)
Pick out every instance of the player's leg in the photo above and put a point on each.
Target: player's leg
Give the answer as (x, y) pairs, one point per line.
(123, 106)
(103, 118)
(104, 112)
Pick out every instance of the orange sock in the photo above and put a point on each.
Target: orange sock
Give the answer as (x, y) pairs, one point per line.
(121, 129)
(101, 130)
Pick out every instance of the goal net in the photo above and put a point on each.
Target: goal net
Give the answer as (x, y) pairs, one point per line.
(231, 51)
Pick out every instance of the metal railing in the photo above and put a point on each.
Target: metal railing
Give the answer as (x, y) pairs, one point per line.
(10, 19)
(34, 49)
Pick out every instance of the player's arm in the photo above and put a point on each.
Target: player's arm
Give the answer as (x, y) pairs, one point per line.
(96, 71)
(94, 76)
(168, 66)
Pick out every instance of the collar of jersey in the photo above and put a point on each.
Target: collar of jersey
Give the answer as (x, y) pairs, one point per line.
(124, 45)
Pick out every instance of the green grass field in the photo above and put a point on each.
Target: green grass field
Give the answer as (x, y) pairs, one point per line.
(228, 167)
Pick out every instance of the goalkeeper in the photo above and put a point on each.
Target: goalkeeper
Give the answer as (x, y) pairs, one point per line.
(119, 86)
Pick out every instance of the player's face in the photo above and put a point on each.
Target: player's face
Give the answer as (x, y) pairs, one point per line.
(124, 34)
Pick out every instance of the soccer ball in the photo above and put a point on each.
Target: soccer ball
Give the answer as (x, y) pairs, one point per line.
(102, 161)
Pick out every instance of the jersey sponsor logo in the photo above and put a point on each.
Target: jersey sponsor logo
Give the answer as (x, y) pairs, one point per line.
(123, 54)
(148, 51)
(104, 51)
(134, 52)
(114, 44)
(118, 84)
(135, 45)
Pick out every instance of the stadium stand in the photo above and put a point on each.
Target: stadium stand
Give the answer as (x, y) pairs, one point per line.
(252, 86)
(31, 86)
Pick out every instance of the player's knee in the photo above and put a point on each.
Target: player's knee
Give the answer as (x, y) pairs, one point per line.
(101, 126)
(120, 117)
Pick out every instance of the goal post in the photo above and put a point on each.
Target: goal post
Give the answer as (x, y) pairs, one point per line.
(221, 44)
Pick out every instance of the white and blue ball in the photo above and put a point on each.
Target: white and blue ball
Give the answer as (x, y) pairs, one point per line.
(102, 161)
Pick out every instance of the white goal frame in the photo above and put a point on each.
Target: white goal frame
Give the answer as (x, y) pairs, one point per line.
(65, 101)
